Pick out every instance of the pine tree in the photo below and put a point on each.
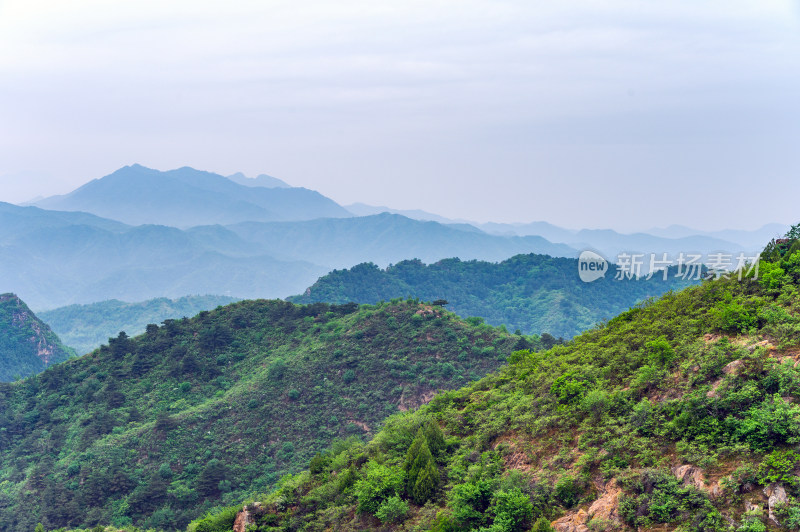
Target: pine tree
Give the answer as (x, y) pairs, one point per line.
(426, 483)
(411, 456)
(434, 438)
(422, 475)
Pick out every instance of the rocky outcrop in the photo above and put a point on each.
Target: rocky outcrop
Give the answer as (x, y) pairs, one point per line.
(575, 522)
(733, 368)
(690, 475)
(27, 345)
(246, 517)
(605, 508)
(776, 495)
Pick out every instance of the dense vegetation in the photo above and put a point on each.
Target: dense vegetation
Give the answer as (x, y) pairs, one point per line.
(680, 413)
(155, 430)
(86, 327)
(533, 293)
(27, 346)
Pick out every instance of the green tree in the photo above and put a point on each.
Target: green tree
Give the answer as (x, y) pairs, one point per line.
(214, 472)
(434, 437)
(422, 475)
(513, 509)
(426, 482)
(542, 525)
(380, 483)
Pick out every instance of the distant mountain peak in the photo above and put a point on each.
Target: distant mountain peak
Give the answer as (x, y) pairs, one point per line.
(261, 180)
(187, 197)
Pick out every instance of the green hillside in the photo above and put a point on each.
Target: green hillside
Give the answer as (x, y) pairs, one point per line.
(680, 414)
(27, 345)
(533, 293)
(155, 430)
(86, 327)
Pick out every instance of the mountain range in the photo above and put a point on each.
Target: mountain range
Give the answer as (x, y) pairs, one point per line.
(51, 260)
(235, 246)
(187, 197)
(533, 293)
(681, 414)
(157, 429)
(56, 258)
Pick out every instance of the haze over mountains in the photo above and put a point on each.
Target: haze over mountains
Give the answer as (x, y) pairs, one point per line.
(159, 429)
(140, 233)
(50, 265)
(187, 197)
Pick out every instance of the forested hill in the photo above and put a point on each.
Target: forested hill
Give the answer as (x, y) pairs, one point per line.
(86, 327)
(155, 430)
(533, 293)
(681, 414)
(27, 345)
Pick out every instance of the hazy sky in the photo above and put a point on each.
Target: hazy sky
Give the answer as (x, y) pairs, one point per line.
(623, 114)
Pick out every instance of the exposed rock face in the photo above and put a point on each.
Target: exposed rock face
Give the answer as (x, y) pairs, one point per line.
(751, 507)
(776, 495)
(413, 401)
(693, 476)
(606, 508)
(733, 368)
(246, 517)
(572, 523)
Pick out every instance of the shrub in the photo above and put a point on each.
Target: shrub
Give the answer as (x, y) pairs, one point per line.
(769, 424)
(752, 522)
(513, 509)
(277, 369)
(392, 510)
(734, 317)
(165, 471)
(379, 484)
(778, 466)
(569, 387)
(470, 502)
(659, 352)
(542, 525)
(568, 491)
(221, 521)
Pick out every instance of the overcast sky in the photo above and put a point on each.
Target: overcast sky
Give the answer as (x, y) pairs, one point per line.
(622, 114)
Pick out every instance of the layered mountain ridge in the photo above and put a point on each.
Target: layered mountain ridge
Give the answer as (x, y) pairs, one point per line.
(156, 429)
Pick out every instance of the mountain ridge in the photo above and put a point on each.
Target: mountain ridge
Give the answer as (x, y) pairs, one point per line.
(186, 197)
(534, 293)
(156, 429)
(678, 414)
(27, 344)
(88, 326)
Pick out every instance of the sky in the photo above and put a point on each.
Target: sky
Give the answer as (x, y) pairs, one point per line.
(587, 114)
